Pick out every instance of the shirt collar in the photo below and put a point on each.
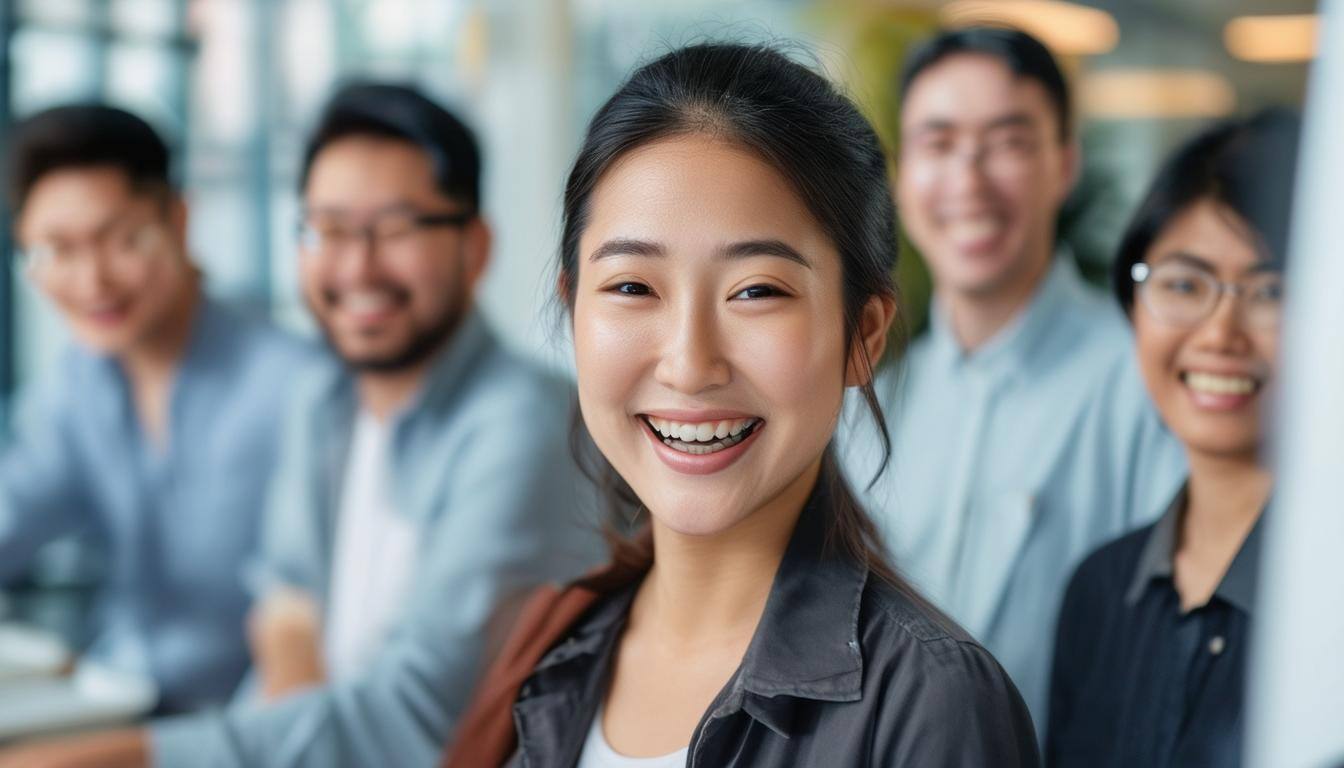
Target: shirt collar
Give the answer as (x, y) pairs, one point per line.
(1009, 350)
(1238, 585)
(451, 365)
(211, 326)
(447, 370)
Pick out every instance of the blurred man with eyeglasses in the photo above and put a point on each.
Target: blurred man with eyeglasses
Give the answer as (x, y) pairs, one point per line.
(155, 434)
(1021, 435)
(425, 483)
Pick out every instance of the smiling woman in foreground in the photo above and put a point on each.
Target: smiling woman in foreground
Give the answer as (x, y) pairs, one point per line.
(729, 237)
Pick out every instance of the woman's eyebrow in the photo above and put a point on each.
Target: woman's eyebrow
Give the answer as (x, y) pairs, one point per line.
(627, 247)
(748, 248)
(739, 250)
(1190, 259)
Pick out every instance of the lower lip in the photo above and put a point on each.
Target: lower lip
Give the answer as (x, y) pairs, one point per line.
(698, 464)
(107, 318)
(1208, 401)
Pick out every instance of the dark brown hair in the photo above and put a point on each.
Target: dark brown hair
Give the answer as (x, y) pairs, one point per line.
(1024, 55)
(801, 125)
(1247, 165)
(402, 112)
(86, 136)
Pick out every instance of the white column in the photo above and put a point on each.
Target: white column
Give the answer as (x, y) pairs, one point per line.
(1296, 697)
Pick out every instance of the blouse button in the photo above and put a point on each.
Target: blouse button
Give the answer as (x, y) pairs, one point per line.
(1217, 645)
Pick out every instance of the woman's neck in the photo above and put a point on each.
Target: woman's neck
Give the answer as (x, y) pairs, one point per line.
(714, 588)
(1225, 497)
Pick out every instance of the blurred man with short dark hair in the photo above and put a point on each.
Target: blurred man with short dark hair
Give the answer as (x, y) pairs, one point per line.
(156, 431)
(425, 486)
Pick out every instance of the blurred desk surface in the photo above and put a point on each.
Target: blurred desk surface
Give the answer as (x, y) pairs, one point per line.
(43, 691)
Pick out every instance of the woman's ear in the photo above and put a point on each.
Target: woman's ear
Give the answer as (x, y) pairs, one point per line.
(870, 340)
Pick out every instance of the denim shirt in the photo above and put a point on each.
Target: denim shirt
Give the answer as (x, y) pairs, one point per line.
(1011, 462)
(175, 522)
(843, 670)
(480, 464)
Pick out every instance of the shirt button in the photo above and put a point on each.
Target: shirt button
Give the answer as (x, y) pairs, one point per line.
(1217, 645)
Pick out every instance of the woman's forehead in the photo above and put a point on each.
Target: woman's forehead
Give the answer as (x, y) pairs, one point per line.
(698, 194)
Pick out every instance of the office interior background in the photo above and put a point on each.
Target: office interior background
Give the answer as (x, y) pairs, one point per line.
(235, 84)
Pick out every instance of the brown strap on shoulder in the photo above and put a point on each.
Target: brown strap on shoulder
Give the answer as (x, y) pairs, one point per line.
(485, 734)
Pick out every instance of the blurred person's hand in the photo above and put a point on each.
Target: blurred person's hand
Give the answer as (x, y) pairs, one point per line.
(285, 632)
(106, 749)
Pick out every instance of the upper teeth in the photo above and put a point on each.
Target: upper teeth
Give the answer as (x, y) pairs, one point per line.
(367, 301)
(700, 431)
(1220, 385)
(975, 228)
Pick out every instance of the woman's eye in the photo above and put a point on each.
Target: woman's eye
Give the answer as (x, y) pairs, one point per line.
(758, 292)
(1180, 285)
(631, 289)
(1268, 293)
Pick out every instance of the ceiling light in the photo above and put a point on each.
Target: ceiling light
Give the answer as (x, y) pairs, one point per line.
(1272, 39)
(1114, 94)
(1066, 28)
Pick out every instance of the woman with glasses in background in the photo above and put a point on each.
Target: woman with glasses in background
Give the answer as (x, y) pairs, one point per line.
(1152, 640)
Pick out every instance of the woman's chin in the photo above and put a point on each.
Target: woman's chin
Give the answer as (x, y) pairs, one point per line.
(698, 523)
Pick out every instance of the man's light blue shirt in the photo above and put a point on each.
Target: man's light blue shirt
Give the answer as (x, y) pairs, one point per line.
(175, 521)
(480, 462)
(1010, 463)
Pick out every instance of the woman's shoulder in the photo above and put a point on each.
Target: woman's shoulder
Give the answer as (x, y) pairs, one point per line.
(896, 622)
(957, 704)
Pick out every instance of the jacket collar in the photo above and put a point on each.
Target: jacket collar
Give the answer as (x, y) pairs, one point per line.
(806, 645)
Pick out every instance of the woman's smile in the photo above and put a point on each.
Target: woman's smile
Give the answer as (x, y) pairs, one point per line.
(700, 443)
